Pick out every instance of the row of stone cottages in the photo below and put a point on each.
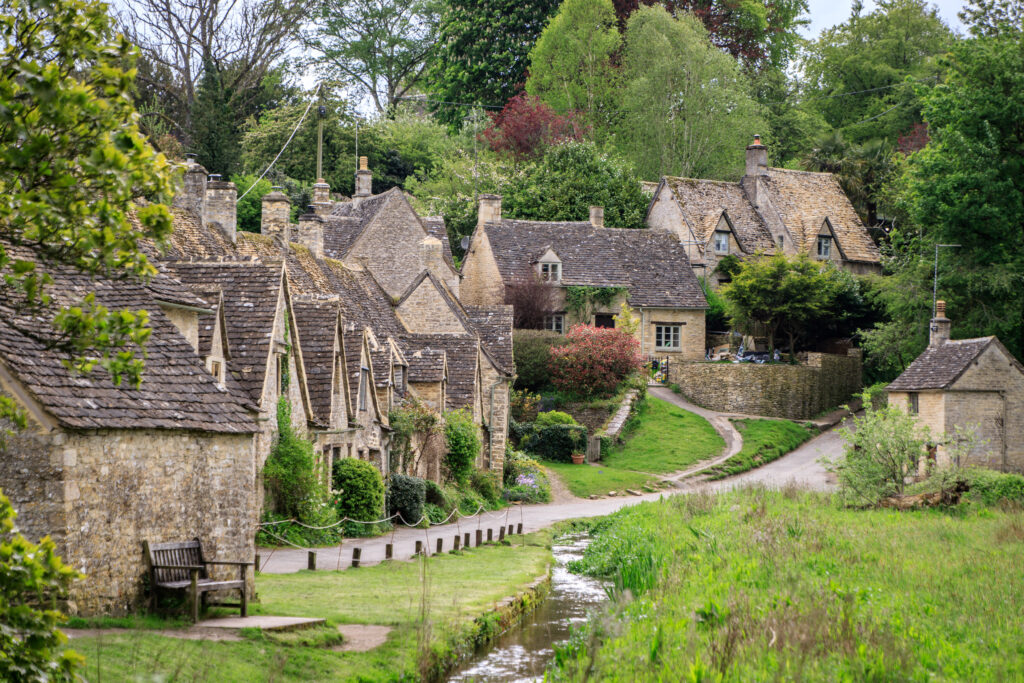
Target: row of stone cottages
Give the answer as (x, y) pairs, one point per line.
(344, 314)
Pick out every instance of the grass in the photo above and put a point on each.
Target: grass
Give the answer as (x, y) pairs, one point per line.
(664, 438)
(586, 480)
(754, 585)
(459, 589)
(763, 441)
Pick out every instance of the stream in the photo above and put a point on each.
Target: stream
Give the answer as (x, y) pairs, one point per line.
(522, 653)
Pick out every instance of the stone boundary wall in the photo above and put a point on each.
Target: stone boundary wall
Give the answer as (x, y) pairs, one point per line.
(797, 392)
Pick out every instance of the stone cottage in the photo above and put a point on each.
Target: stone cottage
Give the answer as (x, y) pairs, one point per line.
(102, 467)
(967, 383)
(769, 210)
(647, 269)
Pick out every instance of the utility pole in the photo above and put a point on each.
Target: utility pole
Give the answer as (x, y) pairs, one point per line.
(935, 275)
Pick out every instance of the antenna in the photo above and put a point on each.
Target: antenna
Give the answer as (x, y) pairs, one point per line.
(321, 115)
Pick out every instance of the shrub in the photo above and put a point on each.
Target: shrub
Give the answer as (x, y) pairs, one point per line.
(406, 497)
(595, 361)
(553, 417)
(460, 434)
(875, 395)
(290, 474)
(523, 404)
(487, 484)
(531, 350)
(557, 442)
(517, 431)
(991, 487)
(435, 513)
(524, 479)
(435, 495)
(360, 489)
(412, 423)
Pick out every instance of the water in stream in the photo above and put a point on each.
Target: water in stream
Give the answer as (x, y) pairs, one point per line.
(523, 652)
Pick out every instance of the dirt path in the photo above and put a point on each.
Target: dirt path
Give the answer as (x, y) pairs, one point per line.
(560, 493)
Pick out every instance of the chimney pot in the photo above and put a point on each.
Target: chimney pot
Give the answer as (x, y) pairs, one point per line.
(597, 216)
(363, 164)
(757, 158)
(215, 176)
(939, 330)
(192, 193)
(364, 179)
(311, 232)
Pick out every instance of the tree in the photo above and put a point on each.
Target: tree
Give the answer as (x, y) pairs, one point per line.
(993, 17)
(532, 300)
(31, 576)
(779, 293)
(483, 48)
(73, 162)
(380, 46)
(571, 178)
(527, 127)
(687, 105)
(571, 65)
(792, 127)
(862, 169)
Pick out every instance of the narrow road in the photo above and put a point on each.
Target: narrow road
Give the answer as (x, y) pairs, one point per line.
(800, 467)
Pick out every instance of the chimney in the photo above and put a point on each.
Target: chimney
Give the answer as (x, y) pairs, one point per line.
(757, 158)
(311, 232)
(939, 330)
(220, 206)
(192, 195)
(276, 217)
(321, 196)
(364, 179)
(597, 216)
(431, 254)
(489, 209)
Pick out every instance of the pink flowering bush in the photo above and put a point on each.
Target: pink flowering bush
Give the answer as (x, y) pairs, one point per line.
(595, 361)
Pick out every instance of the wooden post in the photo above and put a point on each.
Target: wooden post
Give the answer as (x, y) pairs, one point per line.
(356, 554)
(389, 551)
(194, 592)
(519, 528)
(419, 547)
(490, 535)
(466, 541)
(311, 560)
(511, 529)
(501, 533)
(455, 545)
(479, 537)
(440, 546)
(257, 566)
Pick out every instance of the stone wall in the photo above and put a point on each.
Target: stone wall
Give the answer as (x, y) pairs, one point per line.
(100, 494)
(797, 392)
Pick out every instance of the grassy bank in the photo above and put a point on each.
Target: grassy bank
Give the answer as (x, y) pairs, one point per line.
(586, 480)
(429, 625)
(763, 441)
(756, 585)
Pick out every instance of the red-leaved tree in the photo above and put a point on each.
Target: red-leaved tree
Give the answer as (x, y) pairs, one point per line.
(595, 361)
(526, 126)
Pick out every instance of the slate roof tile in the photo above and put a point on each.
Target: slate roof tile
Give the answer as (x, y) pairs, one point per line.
(938, 367)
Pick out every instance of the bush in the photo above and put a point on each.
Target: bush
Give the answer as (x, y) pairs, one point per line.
(523, 404)
(553, 417)
(517, 431)
(991, 487)
(290, 475)
(487, 484)
(460, 434)
(435, 495)
(524, 479)
(435, 513)
(595, 361)
(531, 350)
(361, 490)
(406, 497)
(557, 442)
(875, 395)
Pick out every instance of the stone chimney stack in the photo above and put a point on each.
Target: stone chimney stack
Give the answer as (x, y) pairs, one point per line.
(940, 327)
(221, 197)
(597, 216)
(276, 216)
(322, 197)
(489, 209)
(192, 194)
(364, 179)
(311, 232)
(757, 158)
(432, 255)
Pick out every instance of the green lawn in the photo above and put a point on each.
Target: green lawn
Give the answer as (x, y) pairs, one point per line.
(757, 585)
(585, 480)
(460, 588)
(763, 441)
(665, 439)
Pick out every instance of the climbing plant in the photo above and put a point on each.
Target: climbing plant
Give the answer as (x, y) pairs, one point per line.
(412, 424)
(580, 300)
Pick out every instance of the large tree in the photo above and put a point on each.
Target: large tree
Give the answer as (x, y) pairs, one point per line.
(483, 48)
(686, 105)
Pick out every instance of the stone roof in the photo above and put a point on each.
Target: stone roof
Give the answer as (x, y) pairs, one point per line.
(347, 221)
(461, 355)
(653, 265)
(176, 391)
(939, 366)
(353, 340)
(208, 321)
(165, 289)
(381, 360)
(804, 200)
(317, 322)
(426, 365)
(702, 203)
(494, 323)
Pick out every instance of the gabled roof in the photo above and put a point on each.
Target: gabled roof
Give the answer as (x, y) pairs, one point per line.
(381, 360)
(446, 295)
(651, 264)
(702, 203)
(208, 322)
(176, 391)
(939, 366)
(426, 365)
(435, 225)
(461, 355)
(494, 324)
(317, 322)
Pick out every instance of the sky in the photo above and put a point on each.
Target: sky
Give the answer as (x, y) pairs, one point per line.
(826, 13)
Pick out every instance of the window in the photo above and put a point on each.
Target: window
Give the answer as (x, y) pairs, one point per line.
(555, 323)
(604, 320)
(824, 247)
(551, 272)
(781, 242)
(399, 380)
(667, 336)
(364, 387)
(217, 370)
(912, 404)
(335, 453)
(721, 243)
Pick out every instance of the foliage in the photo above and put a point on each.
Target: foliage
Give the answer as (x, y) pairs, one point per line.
(595, 361)
(531, 350)
(214, 132)
(876, 395)
(526, 127)
(862, 169)
(763, 442)
(881, 449)
(581, 300)
(463, 444)
(250, 208)
(663, 438)
(792, 126)
(553, 417)
(716, 318)
(524, 479)
(568, 180)
(482, 54)
(435, 495)
(360, 489)
(32, 576)
(382, 48)
(487, 484)
(523, 405)
(687, 106)
(993, 17)
(992, 488)
(406, 497)
(557, 442)
(532, 300)
(594, 480)
(412, 423)
(290, 474)
(626, 319)
(73, 161)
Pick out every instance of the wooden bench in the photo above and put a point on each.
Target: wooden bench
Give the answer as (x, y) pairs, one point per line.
(181, 567)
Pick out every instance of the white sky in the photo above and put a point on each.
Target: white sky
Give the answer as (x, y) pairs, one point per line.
(826, 13)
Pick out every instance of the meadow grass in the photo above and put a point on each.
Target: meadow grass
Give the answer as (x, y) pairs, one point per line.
(763, 441)
(757, 585)
(586, 480)
(459, 589)
(664, 438)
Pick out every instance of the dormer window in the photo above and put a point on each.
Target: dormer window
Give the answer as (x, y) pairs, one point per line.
(399, 379)
(824, 247)
(721, 242)
(217, 370)
(551, 272)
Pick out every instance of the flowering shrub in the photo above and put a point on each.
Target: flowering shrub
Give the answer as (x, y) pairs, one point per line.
(525, 479)
(595, 361)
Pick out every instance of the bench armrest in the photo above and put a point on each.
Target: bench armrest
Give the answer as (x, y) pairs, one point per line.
(197, 567)
(243, 564)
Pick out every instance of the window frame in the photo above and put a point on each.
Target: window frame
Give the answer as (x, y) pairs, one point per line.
(555, 323)
(675, 332)
(551, 271)
(826, 241)
(724, 236)
(913, 403)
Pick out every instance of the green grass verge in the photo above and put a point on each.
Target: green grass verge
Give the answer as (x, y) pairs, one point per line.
(664, 438)
(586, 480)
(755, 585)
(461, 588)
(763, 441)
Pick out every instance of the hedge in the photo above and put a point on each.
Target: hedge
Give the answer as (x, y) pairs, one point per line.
(361, 489)
(406, 497)
(557, 442)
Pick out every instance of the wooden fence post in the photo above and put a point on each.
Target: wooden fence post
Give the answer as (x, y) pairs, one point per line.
(311, 560)
(356, 554)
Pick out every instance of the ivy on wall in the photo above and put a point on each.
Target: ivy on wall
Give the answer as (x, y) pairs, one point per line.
(580, 300)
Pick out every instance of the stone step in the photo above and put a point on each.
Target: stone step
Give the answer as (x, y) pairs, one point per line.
(266, 623)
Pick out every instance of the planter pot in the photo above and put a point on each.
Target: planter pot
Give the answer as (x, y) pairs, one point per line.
(578, 458)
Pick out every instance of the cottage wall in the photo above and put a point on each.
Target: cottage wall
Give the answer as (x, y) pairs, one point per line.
(481, 284)
(494, 390)
(426, 312)
(430, 393)
(665, 215)
(990, 393)
(692, 332)
(187, 323)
